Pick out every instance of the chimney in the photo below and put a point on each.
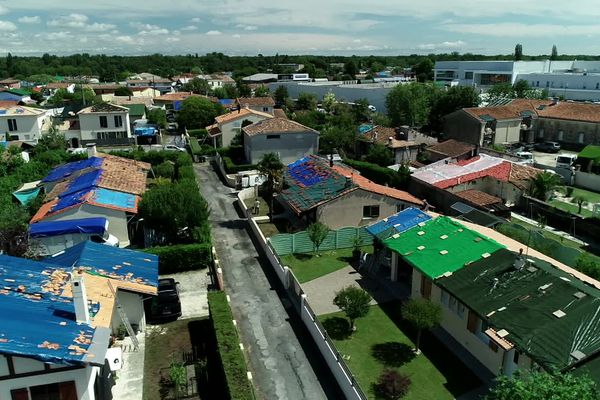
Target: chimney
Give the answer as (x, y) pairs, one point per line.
(348, 181)
(91, 150)
(80, 302)
(390, 141)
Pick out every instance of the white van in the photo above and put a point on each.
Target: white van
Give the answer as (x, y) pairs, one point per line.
(526, 158)
(565, 160)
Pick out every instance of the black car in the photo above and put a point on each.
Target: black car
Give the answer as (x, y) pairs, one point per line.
(165, 305)
(548, 147)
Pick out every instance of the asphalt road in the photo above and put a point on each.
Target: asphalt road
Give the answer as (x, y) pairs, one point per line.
(283, 357)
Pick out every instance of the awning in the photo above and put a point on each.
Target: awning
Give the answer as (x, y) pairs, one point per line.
(54, 228)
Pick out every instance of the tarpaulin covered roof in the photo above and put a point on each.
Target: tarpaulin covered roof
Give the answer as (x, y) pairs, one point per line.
(145, 131)
(398, 223)
(112, 262)
(441, 246)
(547, 313)
(66, 170)
(113, 199)
(27, 192)
(590, 152)
(94, 225)
(36, 322)
(83, 181)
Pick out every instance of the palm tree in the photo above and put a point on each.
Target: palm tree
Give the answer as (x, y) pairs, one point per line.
(271, 166)
(544, 184)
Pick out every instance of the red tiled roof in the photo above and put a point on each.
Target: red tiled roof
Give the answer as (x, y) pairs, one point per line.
(572, 111)
(279, 113)
(509, 111)
(8, 104)
(255, 101)
(452, 148)
(478, 198)
(506, 171)
(276, 125)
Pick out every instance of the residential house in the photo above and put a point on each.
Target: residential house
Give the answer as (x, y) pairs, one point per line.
(148, 102)
(228, 126)
(571, 124)
(338, 196)
(107, 94)
(451, 149)
(262, 104)
(260, 78)
(10, 83)
(443, 181)
(173, 101)
(23, 123)
(51, 88)
(163, 85)
(18, 95)
(104, 124)
(218, 80)
(405, 143)
(57, 315)
(288, 139)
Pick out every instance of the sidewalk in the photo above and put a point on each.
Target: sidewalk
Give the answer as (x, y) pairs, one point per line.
(130, 382)
(548, 228)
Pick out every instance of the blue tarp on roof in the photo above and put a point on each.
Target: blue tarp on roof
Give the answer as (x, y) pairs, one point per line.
(34, 320)
(54, 228)
(115, 199)
(177, 105)
(70, 200)
(304, 172)
(226, 102)
(113, 262)
(398, 223)
(82, 182)
(364, 128)
(145, 131)
(65, 170)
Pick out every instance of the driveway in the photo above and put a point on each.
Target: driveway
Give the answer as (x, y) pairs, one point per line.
(283, 358)
(193, 289)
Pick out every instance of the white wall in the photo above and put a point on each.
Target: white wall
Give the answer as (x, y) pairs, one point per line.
(230, 129)
(133, 305)
(84, 378)
(587, 181)
(90, 124)
(290, 146)
(29, 127)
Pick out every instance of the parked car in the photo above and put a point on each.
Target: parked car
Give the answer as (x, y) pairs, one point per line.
(166, 304)
(565, 160)
(548, 147)
(526, 157)
(172, 147)
(372, 108)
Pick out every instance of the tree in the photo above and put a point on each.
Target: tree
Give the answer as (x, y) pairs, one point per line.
(350, 68)
(354, 302)
(307, 101)
(422, 314)
(554, 53)
(198, 112)
(392, 385)
(157, 116)
(444, 103)
(317, 233)
(380, 155)
(533, 385)
(518, 52)
(361, 111)
(197, 85)
(424, 70)
(543, 184)
(261, 91)
(328, 101)
(123, 91)
(281, 93)
(244, 90)
(409, 104)
(580, 200)
(584, 263)
(14, 221)
(271, 166)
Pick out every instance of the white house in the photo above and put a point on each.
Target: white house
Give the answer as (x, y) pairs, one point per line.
(262, 104)
(23, 123)
(227, 126)
(104, 124)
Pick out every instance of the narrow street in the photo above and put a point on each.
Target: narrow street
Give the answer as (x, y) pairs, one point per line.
(284, 361)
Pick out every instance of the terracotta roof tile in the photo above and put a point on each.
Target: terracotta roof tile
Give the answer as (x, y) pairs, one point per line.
(478, 197)
(276, 125)
(520, 175)
(244, 112)
(512, 110)
(178, 96)
(279, 113)
(452, 148)
(255, 101)
(572, 111)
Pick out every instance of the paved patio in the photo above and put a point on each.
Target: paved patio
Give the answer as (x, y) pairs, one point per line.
(130, 382)
(193, 289)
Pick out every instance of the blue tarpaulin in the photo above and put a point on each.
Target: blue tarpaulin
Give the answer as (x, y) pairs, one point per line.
(71, 200)
(82, 182)
(397, 223)
(66, 170)
(105, 197)
(304, 172)
(54, 228)
(177, 105)
(25, 196)
(145, 131)
(35, 321)
(113, 262)
(226, 102)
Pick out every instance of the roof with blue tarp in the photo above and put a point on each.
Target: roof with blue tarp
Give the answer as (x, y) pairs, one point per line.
(54, 228)
(364, 128)
(111, 262)
(70, 200)
(114, 199)
(398, 223)
(66, 170)
(37, 322)
(82, 182)
(145, 131)
(226, 102)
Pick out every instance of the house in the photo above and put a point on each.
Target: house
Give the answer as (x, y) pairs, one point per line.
(107, 92)
(262, 104)
(260, 78)
(289, 139)
(18, 95)
(104, 124)
(173, 101)
(442, 181)
(338, 196)
(51, 88)
(218, 80)
(23, 123)
(57, 315)
(148, 102)
(450, 149)
(228, 126)
(163, 85)
(10, 83)
(572, 124)
(405, 143)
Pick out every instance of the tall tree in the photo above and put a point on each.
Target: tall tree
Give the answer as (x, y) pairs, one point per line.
(533, 385)
(350, 68)
(281, 93)
(317, 233)
(307, 101)
(554, 54)
(409, 104)
(542, 186)
(424, 69)
(271, 166)
(197, 85)
(518, 52)
(422, 314)
(354, 302)
(455, 98)
(261, 91)
(198, 112)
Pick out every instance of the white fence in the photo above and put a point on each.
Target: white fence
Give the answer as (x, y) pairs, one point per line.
(334, 360)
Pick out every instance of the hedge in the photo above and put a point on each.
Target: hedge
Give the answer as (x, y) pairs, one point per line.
(232, 358)
(376, 173)
(182, 257)
(232, 168)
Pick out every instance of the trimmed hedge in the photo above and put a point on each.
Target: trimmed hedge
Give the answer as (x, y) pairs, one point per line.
(376, 173)
(232, 358)
(182, 257)
(232, 168)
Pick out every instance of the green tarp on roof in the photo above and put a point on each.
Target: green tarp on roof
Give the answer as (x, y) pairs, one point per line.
(590, 152)
(441, 246)
(136, 109)
(526, 302)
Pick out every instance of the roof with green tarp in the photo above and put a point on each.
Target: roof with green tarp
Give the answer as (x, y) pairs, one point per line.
(136, 109)
(547, 313)
(590, 152)
(441, 246)
(590, 368)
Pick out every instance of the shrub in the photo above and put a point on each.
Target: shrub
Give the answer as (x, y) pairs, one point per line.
(165, 170)
(182, 257)
(186, 172)
(232, 168)
(392, 385)
(380, 175)
(197, 133)
(232, 358)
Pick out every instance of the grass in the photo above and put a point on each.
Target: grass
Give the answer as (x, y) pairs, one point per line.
(165, 343)
(263, 208)
(381, 341)
(307, 267)
(273, 228)
(572, 208)
(546, 234)
(592, 197)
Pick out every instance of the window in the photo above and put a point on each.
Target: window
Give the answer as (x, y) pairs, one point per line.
(54, 391)
(19, 394)
(266, 109)
(425, 287)
(12, 125)
(273, 137)
(370, 211)
(103, 121)
(468, 75)
(445, 298)
(537, 83)
(400, 207)
(580, 137)
(118, 121)
(597, 86)
(547, 83)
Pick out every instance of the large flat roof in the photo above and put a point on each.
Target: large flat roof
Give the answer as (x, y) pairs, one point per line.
(398, 223)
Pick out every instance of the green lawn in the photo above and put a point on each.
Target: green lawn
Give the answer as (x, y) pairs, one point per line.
(381, 341)
(273, 228)
(307, 267)
(263, 208)
(546, 234)
(571, 207)
(590, 196)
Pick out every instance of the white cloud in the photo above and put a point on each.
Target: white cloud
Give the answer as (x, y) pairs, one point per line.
(189, 28)
(72, 21)
(144, 27)
(125, 39)
(97, 27)
(154, 32)
(30, 20)
(7, 26)
(57, 35)
(247, 27)
(172, 39)
(3, 10)
(195, 19)
(442, 46)
(509, 29)
(213, 33)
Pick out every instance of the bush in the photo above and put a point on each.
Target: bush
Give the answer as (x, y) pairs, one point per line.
(186, 172)
(197, 133)
(182, 257)
(380, 175)
(232, 168)
(232, 358)
(165, 170)
(392, 385)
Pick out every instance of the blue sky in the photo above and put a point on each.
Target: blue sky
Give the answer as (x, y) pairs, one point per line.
(298, 27)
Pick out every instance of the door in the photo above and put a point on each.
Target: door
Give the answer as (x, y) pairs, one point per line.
(75, 143)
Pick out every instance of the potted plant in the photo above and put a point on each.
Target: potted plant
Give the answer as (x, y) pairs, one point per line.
(357, 243)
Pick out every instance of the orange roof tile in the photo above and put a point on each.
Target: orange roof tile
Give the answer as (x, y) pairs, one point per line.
(478, 197)
(276, 125)
(234, 115)
(572, 111)
(508, 111)
(178, 96)
(255, 101)
(279, 113)
(452, 148)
